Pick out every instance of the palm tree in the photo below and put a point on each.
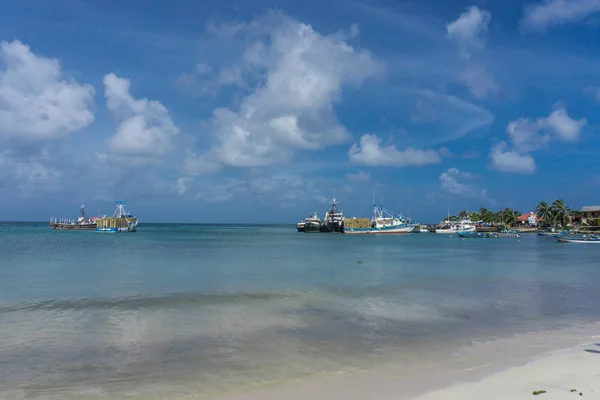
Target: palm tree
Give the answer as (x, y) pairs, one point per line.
(544, 211)
(475, 216)
(484, 214)
(510, 216)
(561, 213)
(463, 214)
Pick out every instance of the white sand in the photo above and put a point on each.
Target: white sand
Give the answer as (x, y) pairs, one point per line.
(510, 368)
(557, 374)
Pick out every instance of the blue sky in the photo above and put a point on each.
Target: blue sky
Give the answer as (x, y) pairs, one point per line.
(258, 111)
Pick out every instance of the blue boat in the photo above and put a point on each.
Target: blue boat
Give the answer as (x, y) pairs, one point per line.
(478, 235)
(578, 238)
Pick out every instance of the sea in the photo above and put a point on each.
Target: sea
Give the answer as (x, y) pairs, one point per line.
(181, 311)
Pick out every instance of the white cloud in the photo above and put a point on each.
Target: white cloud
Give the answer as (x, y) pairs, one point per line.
(469, 30)
(528, 136)
(539, 17)
(524, 135)
(369, 152)
(566, 128)
(479, 81)
(145, 126)
(26, 176)
(450, 183)
(359, 177)
(35, 101)
(303, 74)
(447, 117)
(511, 161)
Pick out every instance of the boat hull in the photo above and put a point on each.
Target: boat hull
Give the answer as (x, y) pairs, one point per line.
(563, 240)
(115, 230)
(457, 231)
(478, 235)
(312, 227)
(393, 230)
(73, 227)
(510, 235)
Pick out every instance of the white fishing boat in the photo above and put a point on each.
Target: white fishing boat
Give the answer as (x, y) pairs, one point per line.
(449, 227)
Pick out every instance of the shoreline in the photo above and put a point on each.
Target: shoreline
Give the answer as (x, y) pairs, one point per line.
(495, 369)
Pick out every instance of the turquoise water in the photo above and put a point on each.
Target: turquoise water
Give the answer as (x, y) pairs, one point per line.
(173, 311)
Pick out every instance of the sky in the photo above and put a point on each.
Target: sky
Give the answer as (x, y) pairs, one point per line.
(262, 111)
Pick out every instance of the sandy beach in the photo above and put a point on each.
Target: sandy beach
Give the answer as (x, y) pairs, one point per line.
(571, 373)
(562, 363)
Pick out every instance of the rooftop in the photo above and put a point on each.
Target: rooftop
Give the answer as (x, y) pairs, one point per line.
(590, 208)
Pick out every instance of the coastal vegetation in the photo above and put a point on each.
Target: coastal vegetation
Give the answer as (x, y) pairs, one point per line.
(555, 214)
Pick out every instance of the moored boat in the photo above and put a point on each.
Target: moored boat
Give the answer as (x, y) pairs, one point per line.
(449, 227)
(83, 223)
(579, 238)
(478, 235)
(509, 233)
(300, 226)
(121, 221)
(312, 223)
(382, 222)
(334, 218)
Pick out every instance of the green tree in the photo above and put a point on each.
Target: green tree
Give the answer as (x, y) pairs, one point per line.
(475, 216)
(544, 211)
(485, 215)
(463, 214)
(561, 213)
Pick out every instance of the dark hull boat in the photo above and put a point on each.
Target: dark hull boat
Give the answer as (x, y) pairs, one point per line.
(83, 223)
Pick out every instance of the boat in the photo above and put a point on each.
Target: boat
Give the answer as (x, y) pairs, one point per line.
(449, 227)
(579, 238)
(300, 225)
(478, 235)
(312, 223)
(509, 233)
(334, 218)
(121, 221)
(83, 223)
(553, 232)
(420, 229)
(382, 222)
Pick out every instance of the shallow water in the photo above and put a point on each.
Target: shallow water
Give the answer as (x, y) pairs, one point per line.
(182, 310)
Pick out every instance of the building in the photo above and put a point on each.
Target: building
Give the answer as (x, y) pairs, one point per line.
(591, 215)
(530, 219)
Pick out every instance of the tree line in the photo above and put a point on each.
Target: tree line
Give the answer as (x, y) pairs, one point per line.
(556, 214)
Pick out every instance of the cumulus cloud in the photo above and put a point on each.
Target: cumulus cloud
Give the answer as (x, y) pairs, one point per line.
(528, 135)
(291, 109)
(370, 152)
(450, 183)
(36, 102)
(469, 30)
(511, 161)
(145, 126)
(539, 17)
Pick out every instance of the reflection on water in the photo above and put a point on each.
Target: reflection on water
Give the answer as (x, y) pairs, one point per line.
(195, 310)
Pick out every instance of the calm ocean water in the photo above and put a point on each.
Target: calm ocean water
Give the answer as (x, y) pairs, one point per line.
(173, 311)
